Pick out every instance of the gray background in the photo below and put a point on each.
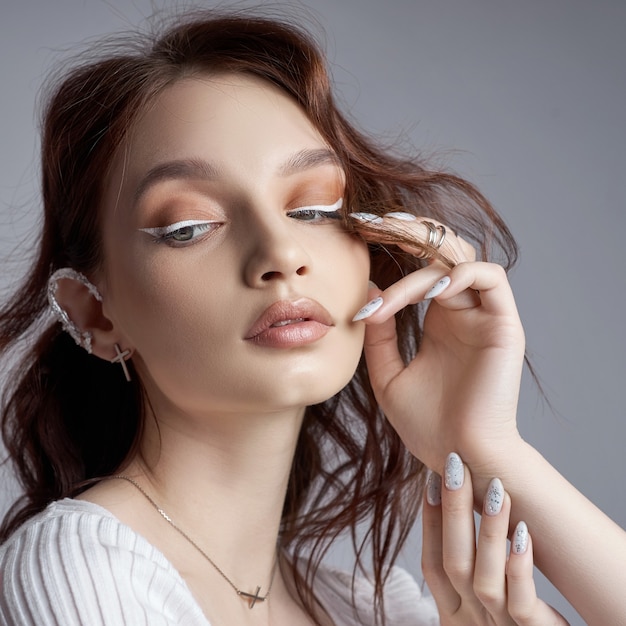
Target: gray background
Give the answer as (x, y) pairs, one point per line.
(525, 98)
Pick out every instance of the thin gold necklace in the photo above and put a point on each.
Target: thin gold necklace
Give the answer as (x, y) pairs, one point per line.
(251, 598)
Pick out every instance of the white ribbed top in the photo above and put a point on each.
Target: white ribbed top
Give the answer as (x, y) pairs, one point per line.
(76, 564)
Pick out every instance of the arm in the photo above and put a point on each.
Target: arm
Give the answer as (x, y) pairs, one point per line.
(576, 545)
(460, 394)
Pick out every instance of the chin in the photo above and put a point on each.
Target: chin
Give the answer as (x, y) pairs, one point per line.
(315, 387)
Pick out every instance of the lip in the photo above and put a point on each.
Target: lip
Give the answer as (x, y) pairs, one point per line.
(290, 323)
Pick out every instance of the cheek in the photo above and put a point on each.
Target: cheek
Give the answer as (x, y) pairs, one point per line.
(162, 306)
(349, 262)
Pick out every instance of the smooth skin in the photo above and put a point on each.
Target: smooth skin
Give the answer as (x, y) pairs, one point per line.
(227, 411)
(473, 580)
(460, 394)
(239, 155)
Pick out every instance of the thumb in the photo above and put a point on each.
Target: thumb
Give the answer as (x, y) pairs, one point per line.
(384, 361)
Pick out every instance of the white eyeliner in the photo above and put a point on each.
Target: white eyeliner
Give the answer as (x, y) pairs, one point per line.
(160, 231)
(323, 208)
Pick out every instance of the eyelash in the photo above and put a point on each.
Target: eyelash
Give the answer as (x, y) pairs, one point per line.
(318, 212)
(168, 234)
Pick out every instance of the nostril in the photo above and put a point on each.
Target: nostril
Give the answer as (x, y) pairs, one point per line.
(273, 275)
(270, 276)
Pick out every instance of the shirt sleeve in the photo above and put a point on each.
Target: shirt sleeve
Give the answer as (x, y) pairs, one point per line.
(84, 568)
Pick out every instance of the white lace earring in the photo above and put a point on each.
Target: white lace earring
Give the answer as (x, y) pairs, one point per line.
(83, 338)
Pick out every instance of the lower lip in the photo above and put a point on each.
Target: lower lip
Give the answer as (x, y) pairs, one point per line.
(291, 335)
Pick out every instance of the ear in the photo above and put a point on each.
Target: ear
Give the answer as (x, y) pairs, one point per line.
(77, 304)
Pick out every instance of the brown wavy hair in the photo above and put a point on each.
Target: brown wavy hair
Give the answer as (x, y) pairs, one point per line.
(67, 417)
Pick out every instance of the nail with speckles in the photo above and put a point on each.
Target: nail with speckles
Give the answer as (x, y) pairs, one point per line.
(369, 309)
(368, 218)
(433, 489)
(494, 498)
(401, 215)
(519, 542)
(438, 288)
(454, 473)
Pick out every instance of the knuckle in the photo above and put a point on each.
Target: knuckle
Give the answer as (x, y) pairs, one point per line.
(458, 569)
(432, 570)
(498, 271)
(516, 578)
(492, 538)
(454, 506)
(490, 530)
(489, 594)
(521, 613)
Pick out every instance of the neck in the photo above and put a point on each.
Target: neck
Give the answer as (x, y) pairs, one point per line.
(222, 479)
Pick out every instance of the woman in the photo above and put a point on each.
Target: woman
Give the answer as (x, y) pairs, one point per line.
(225, 403)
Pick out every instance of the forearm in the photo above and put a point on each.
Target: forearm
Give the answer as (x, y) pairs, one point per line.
(580, 550)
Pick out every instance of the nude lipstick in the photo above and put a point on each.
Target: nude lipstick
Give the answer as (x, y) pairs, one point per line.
(289, 324)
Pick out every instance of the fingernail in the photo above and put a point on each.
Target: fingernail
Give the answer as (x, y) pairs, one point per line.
(401, 215)
(494, 498)
(454, 473)
(519, 543)
(439, 287)
(369, 309)
(370, 218)
(372, 284)
(433, 489)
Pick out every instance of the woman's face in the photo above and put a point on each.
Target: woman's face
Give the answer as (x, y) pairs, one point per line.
(227, 270)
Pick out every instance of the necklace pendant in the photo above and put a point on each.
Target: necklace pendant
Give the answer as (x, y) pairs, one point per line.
(252, 598)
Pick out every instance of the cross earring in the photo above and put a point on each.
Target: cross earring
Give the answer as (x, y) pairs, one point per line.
(120, 357)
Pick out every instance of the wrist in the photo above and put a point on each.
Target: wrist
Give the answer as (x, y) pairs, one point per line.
(511, 463)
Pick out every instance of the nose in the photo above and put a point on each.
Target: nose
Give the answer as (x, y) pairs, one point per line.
(275, 252)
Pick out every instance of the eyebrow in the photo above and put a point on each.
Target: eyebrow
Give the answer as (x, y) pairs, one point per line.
(200, 169)
(186, 169)
(307, 159)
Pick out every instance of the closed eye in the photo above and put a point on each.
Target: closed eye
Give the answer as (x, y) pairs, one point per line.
(317, 212)
(181, 233)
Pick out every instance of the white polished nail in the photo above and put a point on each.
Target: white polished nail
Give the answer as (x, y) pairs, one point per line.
(370, 218)
(519, 542)
(401, 215)
(438, 288)
(433, 489)
(494, 498)
(454, 472)
(369, 309)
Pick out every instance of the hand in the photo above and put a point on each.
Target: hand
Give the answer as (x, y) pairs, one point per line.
(460, 391)
(473, 582)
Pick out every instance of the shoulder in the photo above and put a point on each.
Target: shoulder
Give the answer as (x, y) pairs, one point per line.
(75, 563)
(349, 602)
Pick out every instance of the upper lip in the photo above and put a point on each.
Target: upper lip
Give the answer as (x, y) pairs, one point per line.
(286, 310)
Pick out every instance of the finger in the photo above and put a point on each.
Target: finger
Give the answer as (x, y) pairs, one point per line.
(384, 361)
(488, 284)
(458, 531)
(396, 227)
(491, 553)
(468, 285)
(381, 344)
(424, 237)
(410, 289)
(446, 597)
(383, 357)
(523, 605)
